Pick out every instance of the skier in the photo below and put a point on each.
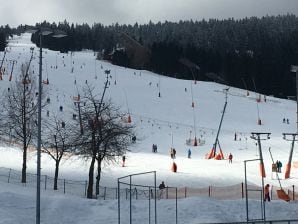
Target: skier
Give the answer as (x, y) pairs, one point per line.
(279, 165)
(154, 148)
(288, 121)
(230, 158)
(266, 193)
(284, 120)
(189, 153)
(133, 139)
(161, 187)
(123, 161)
(174, 153)
(174, 167)
(235, 137)
(171, 153)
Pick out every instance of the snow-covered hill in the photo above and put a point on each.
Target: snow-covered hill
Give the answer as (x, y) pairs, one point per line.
(168, 120)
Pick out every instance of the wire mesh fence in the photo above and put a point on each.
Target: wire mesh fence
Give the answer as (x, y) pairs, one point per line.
(79, 188)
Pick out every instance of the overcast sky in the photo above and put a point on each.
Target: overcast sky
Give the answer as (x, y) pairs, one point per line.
(16, 12)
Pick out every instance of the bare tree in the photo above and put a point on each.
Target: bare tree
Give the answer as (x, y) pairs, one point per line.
(19, 112)
(57, 141)
(104, 135)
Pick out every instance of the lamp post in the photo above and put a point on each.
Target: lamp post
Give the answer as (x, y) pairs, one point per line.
(41, 32)
(294, 68)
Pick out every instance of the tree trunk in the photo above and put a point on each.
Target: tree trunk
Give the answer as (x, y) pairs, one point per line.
(24, 164)
(24, 129)
(91, 176)
(98, 175)
(56, 175)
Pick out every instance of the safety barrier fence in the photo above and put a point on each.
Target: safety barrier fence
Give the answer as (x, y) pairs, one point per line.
(260, 222)
(79, 188)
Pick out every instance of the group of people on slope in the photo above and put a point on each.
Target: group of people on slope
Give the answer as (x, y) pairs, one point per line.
(154, 148)
(278, 165)
(285, 121)
(173, 153)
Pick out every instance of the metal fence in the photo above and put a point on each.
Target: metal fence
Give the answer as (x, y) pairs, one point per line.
(47, 183)
(260, 222)
(78, 188)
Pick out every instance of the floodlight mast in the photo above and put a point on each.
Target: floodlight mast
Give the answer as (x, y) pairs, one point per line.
(41, 32)
(294, 68)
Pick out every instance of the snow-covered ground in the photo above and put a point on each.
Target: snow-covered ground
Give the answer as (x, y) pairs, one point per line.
(166, 121)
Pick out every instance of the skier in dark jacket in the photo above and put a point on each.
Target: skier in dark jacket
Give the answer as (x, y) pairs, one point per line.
(189, 153)
(230, 158)
(123, 161)
(161, 187)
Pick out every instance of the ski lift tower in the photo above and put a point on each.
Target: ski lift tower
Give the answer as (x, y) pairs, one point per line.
(258, 137)
(286, 136)
(212, 154)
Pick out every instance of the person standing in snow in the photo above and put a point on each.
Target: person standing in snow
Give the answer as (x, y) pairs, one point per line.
(189, 153)
(278, 165)
(161, 187)
(230, 158)
(174, 153)
(266, 193)
(123, 161)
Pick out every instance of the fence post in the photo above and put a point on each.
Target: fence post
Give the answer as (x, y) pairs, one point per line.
(9, 175)
(64, 186)
(209, 191)
(104, 195)
(136, 193)
(176, 206)
(45, 182)
(167, 192)
(242, 189)
(185, 192)
(293, 192)
(85, 187)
